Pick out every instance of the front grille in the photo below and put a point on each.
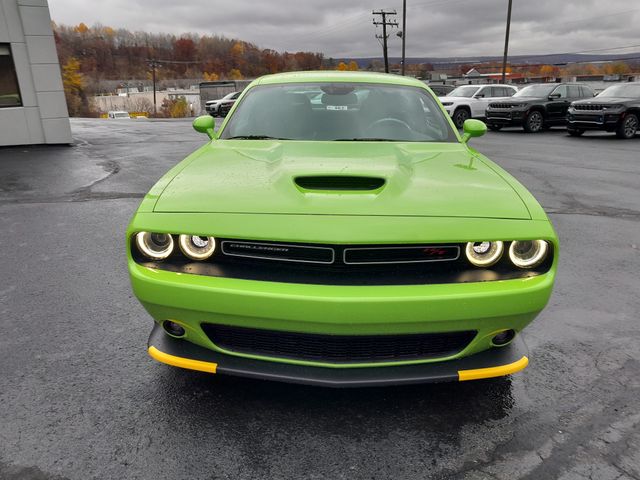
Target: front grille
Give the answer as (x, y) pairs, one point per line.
(334, 264)
(588, 107)
(504, 106)
(338, 348)
(278, 251)
(413, 254)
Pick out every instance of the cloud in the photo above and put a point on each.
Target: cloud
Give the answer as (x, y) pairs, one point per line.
(437, 28)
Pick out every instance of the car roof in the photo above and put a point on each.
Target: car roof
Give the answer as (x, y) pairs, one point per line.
(337, 76)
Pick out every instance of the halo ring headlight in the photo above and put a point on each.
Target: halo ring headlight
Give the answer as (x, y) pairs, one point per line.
(156, 246)
(196, 247)
(484, 254)
(528, 253)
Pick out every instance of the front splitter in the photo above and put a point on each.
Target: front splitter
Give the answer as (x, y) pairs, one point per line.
(495, 362)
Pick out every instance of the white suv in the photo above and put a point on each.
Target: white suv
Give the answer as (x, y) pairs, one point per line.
(471, 101)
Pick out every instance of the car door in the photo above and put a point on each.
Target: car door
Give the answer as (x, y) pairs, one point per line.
(557, 105)
(480, 102)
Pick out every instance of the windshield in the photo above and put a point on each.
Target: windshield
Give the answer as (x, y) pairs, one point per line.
(536, 91)
(630, 90)
(339, 111)
(466, 91)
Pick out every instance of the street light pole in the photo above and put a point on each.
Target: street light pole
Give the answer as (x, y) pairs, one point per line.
(404, 30)
(506, 44)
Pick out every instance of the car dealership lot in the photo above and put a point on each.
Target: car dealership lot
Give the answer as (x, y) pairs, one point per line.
(80, 398)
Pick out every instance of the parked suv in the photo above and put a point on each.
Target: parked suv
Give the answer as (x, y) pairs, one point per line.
(213, 106)
(536, 107)
(470, 101)
(615, 109)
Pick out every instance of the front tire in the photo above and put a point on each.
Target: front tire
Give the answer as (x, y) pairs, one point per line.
(628, 127)
(575, 132)
(460, 116)
(534, 122)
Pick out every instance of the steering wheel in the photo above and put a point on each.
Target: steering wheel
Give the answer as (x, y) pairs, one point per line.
(393, 122)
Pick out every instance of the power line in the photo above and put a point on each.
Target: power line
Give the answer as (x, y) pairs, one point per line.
(384, 22)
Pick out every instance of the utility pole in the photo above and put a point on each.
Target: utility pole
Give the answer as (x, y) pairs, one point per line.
(506, 45)
(384, 22)
(404, 31)
(153, 64)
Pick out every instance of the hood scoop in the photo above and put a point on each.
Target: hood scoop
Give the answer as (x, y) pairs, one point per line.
(340, 183)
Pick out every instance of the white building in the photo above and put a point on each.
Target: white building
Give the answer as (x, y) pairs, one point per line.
(33, 109)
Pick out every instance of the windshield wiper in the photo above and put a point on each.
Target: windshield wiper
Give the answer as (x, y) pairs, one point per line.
(365, 139)
(256, 137)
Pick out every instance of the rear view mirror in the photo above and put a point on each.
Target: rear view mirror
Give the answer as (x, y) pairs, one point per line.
(473, 128)
(205, 124)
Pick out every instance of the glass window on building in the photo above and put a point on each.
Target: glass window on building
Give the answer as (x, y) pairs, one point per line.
(9, 90)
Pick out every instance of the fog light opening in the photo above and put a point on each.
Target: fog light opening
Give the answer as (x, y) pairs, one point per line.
(503, 338)
(173, 329)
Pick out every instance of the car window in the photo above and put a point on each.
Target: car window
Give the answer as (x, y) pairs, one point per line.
(235, 95)
(339, 111)
(464, 91)
(575, 91)
(509, 92)
(562, 90)
(586, 91)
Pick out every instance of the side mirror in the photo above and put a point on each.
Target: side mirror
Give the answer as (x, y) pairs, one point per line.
(473, 128)
(554, 96)
(205, 124)
(479, 95)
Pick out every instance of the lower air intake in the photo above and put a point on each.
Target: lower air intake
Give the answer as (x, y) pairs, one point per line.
(338, 348)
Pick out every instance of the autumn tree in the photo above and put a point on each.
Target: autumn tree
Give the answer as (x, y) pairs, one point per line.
(353, 66)
(73, 83)
(235, 74)
(549, 71)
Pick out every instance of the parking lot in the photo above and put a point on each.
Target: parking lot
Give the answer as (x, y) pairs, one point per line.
(81, 399)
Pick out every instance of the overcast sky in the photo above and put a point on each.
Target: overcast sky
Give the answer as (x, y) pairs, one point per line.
(343, 28)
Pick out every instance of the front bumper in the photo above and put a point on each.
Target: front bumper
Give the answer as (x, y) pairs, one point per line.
(593, 121)
(505, 118)
(494, 362)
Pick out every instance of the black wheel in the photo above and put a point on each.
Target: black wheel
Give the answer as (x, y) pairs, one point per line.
(575, 132)
(628, 127)
(460, 116)
(495, 128)
(534, 122)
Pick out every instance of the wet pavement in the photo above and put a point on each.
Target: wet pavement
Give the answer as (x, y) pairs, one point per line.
(80, 398)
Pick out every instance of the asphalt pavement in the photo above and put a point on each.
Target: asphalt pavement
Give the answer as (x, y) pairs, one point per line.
(81, 399)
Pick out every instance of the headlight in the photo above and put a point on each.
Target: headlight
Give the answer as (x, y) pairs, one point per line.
(156, 246)
(196, 247)
(447, 104)
(484, 254)
(528, 253)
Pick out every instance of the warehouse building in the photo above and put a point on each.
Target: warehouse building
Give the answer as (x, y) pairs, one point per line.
(33, 109)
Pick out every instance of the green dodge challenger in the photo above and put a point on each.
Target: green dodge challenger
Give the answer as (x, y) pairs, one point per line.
(337, 230)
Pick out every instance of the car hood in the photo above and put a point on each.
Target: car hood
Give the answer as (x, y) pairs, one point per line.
(256, 176)
(517, 100)
(603, 101)
(453, 99)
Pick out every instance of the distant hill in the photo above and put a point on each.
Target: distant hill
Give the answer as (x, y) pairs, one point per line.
(553, 59)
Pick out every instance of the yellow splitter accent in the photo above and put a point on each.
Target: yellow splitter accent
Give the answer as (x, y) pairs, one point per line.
(463, 375)
(209, 367)
(490, 372)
